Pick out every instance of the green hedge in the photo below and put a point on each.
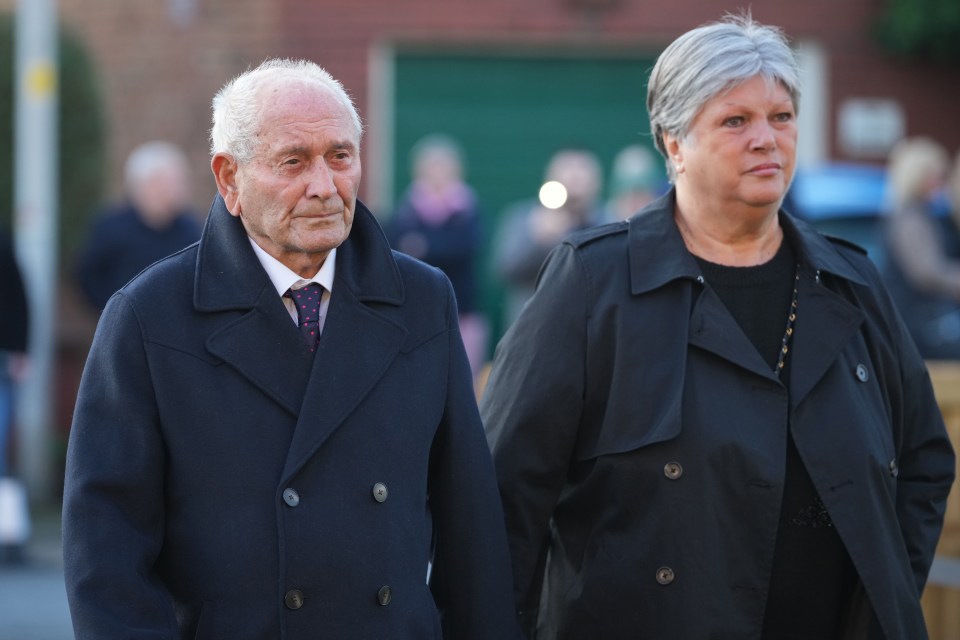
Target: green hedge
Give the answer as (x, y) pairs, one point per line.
(82, 137)
(923, 30)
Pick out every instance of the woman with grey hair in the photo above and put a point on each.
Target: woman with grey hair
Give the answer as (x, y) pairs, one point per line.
(709, 421)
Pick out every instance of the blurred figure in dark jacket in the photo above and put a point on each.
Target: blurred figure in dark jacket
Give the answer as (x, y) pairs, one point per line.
(531, 228)
(437, 220)
(155, 221)
(13, 341)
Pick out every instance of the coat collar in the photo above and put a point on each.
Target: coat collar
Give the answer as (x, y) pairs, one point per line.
(229, 276)
(250, 329)
(658, 254)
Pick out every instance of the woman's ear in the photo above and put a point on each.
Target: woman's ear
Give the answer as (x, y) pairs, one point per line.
(674, 151)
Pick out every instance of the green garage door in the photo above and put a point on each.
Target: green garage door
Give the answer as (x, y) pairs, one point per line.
(510, 113)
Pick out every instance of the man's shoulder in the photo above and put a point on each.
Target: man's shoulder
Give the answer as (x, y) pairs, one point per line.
(164, 276)
(416, 272)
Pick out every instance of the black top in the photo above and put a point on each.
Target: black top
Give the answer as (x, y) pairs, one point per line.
(812, 576)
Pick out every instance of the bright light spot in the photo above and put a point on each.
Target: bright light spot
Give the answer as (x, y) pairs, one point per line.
(553, 194)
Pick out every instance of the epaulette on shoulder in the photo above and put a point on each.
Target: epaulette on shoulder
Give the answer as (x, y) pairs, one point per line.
(847, 243)
(590, 234)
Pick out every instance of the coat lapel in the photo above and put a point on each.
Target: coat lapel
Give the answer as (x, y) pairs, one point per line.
(658, 257)
(825, 323)
(249, 328)
(356, 349)
(714, 329)
(360, 339)
(260, 347)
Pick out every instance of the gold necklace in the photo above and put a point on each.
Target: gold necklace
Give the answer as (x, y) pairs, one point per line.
(791, 321)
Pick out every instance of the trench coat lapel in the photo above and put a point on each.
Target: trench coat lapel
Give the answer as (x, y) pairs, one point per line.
(658, 258)
(714, 329)
(250, 328)
(826, 321)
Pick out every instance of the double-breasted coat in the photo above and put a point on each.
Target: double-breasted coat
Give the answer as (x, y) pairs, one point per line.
(640, 439)
(224, 483)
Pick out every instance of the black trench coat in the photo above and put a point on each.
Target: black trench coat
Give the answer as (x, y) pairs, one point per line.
(641, 439)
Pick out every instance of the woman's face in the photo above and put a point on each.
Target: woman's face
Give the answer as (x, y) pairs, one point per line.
(741, 148)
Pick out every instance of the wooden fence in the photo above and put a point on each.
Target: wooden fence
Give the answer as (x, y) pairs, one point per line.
(941, 599)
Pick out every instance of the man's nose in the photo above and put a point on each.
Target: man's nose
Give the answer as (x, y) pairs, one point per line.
(320, 181)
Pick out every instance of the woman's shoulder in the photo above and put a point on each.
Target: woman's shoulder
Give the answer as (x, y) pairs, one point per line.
(609, 232)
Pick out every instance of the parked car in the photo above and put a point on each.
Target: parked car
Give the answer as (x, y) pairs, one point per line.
(844, 200)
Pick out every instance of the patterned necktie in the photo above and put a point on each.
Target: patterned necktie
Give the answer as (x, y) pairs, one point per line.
(307, 301)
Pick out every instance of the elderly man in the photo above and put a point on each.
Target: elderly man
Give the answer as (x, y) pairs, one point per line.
(230, 476)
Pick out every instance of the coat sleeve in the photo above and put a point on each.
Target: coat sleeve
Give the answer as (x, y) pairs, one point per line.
(470, 578)
(113, 518)
(531, 409)
(926, 464)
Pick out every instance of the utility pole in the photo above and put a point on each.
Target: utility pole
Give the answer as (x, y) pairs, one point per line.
(36, 191)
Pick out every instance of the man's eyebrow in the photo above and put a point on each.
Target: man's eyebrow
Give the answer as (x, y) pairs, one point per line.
(344, 145)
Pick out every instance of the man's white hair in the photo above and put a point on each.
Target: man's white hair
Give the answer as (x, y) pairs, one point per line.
(237, 110)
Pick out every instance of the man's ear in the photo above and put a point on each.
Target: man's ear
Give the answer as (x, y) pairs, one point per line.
(225, 173)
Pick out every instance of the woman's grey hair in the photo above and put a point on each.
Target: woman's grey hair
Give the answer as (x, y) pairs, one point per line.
(237, 109)
(709, 60)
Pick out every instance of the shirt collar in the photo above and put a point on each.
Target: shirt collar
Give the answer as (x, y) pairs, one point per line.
(284, 279)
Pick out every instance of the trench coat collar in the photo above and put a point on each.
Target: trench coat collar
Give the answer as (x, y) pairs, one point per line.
(658, 254)
(260, 341)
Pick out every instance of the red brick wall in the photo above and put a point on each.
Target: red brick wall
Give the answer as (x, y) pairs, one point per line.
(159, 76)
(339, 34)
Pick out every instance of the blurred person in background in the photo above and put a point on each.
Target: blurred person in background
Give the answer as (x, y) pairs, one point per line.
(13, 342)
(635, 181)
(276, 433)
(709, 421)
(154, 221)
(437, 220)
(528, 230)
(922, 269)
(14, 327)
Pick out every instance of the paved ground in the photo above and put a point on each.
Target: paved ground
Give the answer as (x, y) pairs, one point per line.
(33, 603)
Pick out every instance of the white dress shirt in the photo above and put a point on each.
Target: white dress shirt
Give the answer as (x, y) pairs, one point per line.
(284, 279)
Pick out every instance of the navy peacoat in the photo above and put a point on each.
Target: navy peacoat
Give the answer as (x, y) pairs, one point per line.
(640, 440)
(224, 484)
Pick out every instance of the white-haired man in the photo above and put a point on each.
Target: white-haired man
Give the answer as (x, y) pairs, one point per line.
(231, 476)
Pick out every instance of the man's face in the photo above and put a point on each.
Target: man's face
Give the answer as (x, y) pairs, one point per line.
(297, 196)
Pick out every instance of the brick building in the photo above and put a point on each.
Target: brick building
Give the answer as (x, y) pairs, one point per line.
(160, 63)
(512, 79)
